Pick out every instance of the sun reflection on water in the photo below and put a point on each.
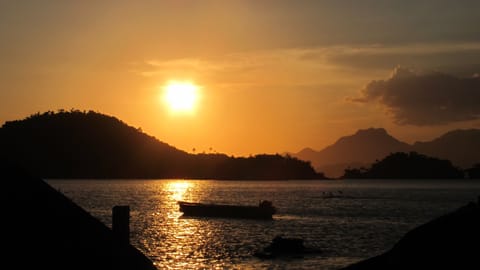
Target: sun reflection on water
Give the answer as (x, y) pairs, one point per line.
(200, 243)
(177, 189)
(184, 237)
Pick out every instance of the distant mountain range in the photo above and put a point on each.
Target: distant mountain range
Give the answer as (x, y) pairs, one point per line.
(75, 144)
(366, 146)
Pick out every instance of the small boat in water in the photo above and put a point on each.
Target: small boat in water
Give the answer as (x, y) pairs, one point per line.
(264, 210)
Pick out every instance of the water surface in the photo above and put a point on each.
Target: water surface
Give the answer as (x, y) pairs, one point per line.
(366, 219)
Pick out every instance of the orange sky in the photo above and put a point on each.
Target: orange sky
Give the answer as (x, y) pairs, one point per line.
(275, 76)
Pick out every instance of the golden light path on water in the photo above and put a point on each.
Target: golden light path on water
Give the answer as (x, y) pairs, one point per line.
(181, 231)
(192, 243)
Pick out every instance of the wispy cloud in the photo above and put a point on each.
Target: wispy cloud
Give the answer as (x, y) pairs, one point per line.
(374, 56)
(259, 67)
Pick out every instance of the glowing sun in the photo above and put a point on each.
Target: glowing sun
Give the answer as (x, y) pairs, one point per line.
(181, 96)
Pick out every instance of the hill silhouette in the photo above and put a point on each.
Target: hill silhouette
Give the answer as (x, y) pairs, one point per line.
(76, 144)
(368, 145)
(407, 166)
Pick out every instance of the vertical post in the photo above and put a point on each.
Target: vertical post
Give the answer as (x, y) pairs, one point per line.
(121, 223)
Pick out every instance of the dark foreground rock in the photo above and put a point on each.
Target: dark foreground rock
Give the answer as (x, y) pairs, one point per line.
(284, 247)
(448, 242)
(42, 229)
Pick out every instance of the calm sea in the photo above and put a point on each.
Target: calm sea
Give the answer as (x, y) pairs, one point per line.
(366, 219)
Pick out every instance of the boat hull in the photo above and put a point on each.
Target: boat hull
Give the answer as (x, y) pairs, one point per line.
(226, 211)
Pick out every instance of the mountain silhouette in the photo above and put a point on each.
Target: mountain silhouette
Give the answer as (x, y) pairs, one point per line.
(76, 144)
(357, 150)
(369, 145)
(459, 146)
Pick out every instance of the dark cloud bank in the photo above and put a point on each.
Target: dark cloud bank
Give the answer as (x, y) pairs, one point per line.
(425, 98)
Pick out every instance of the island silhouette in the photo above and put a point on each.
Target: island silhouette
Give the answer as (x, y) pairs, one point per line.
(406, 166)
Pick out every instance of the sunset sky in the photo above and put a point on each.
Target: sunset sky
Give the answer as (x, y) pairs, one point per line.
(271, 76)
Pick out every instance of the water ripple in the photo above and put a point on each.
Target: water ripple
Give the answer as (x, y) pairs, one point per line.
(367, 221)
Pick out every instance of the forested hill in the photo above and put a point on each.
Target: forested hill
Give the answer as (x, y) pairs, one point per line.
(407, 166)
(76, 144)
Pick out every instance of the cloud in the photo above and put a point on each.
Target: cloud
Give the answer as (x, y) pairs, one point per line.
(457, 58)
(272, 67)
(423, 99)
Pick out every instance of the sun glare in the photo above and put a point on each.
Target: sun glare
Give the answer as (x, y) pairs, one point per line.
(181, 96)
(178, 189)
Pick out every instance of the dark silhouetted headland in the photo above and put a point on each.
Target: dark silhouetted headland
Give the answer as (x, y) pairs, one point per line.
(406, 166)
(43, 229)
(75, 144)
(448, 242)
(287, 248)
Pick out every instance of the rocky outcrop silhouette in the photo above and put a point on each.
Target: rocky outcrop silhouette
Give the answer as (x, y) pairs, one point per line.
(448, 242)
